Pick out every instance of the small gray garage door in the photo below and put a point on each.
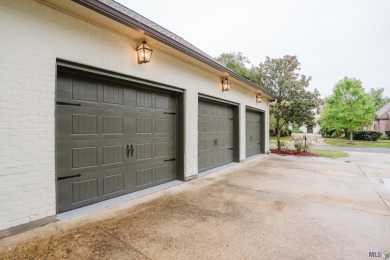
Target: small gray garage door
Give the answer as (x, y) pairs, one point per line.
(254, 132)
(216, 135)
(111, 139)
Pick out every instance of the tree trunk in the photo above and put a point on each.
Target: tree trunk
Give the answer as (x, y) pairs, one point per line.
(350, 135)
(278, 132)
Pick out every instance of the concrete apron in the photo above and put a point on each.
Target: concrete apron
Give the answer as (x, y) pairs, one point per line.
(269, 207)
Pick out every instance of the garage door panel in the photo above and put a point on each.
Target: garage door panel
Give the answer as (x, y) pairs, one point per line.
(90, 187)
(89, 123)
(113, 183)
(90, 92)
(113, 154)
(80, 154)
(115, 141)
(113, 124)
(206, 142)
(84, 156)
(113, 94)
(253, 133)
(216, 135)
(207, 124)
(207, 161)
(154, 174)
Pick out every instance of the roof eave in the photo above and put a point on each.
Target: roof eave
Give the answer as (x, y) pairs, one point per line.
(118, 16)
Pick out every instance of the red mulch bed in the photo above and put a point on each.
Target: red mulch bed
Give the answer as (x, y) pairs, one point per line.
(293, 152)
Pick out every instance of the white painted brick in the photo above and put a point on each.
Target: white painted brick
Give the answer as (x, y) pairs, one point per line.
(5, 225)
(9, 125)
(10, 204)
(51, 212)
(20, 211)
(27, 163)
(19, 221)
(27, 78)
(5, 213)
(38, 216)
(14, 178)
(18, 170)
(30, 187)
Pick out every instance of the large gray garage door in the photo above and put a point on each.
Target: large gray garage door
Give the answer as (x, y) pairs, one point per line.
(111, 139)
(254, 133)
(216, 135)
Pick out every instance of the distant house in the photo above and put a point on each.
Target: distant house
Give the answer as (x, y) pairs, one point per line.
(381, 122)
(316, 128)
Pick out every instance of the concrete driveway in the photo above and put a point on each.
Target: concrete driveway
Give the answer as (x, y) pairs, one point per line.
(269, 207)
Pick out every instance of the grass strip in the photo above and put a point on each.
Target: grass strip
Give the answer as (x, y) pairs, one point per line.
(329, 153)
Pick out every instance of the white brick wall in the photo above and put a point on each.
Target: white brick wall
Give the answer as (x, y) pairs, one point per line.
(32, 37)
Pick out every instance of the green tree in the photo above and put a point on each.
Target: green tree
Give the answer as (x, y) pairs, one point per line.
(237, 62)
(294, 104)
(378, 97)
(349, 107)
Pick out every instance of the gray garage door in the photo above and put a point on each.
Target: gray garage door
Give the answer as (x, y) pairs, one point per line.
(254, 133)
(111, 139)
(216, 135)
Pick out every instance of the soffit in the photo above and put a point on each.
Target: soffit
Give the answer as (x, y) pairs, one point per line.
(138, 35)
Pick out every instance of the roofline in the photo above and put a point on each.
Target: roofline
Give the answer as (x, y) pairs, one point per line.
(118, 16)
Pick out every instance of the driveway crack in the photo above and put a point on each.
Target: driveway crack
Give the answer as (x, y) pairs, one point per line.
(372, 185)
(126, 244)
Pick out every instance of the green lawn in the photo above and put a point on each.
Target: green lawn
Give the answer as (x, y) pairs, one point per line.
(273, 139)
(329, 153)
(345, 142)
(319, 152)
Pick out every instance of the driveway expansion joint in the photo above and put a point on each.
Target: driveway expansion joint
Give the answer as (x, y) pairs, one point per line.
(365, 175)
(123, 242)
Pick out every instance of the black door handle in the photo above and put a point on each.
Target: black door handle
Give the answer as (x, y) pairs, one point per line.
(250, 138)
(215, 141)
(129, 150)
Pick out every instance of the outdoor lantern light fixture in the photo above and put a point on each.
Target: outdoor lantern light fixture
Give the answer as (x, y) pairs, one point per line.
(144, 53)
(259, 98)
(225, 85)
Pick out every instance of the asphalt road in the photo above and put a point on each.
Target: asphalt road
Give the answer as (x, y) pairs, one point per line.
(352, 149)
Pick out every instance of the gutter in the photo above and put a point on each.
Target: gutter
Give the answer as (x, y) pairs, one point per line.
(120, 17)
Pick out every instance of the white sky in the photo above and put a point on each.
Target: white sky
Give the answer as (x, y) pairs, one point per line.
(332, 38)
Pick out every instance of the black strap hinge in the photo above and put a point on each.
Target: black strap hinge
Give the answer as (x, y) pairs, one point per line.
(170, 113)
(231, 148)
(68, 177)
(67, 104)
(169, 160)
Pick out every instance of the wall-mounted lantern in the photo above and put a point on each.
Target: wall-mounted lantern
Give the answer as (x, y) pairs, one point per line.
(259, 98)
(144, 53)
(225, 85)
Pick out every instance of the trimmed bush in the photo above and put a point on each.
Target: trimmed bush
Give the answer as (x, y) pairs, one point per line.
(330, 133)
(388, 134)
(302, 144)
(285, 132)
(365, 135)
